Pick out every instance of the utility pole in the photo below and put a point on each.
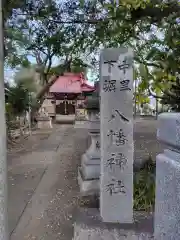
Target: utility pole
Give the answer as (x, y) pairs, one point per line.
(4, 234)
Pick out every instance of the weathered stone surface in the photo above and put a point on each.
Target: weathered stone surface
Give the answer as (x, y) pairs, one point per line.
(89, 173)
(94, 126)
(44, 123)
(117, 147)
(91, 161)
(89, 226)
(169, 129)
(94, 149)
(90, 167)
(88, 187)
(167, 205)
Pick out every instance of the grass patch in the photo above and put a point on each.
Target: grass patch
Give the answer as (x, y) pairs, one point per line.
(144, 187)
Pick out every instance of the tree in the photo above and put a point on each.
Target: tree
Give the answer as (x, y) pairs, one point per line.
(161, 61)
(30, 33)
(17, 98)
(70, 27)
(173, 99)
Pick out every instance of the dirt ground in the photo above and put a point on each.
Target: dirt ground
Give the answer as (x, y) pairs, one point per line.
(42, 174)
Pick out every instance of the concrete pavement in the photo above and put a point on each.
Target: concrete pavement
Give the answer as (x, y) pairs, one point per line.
(26, 169)
(43, 188)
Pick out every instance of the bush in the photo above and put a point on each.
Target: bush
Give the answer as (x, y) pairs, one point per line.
(144, 187)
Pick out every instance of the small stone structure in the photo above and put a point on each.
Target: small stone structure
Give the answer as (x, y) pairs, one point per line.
(43, 119)
(89, 173)
(167, 204)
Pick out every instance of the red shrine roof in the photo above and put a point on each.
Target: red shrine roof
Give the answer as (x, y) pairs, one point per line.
(71, 83)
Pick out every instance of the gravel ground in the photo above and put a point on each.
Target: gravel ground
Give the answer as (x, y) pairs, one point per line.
(49, 214)
(27, 164)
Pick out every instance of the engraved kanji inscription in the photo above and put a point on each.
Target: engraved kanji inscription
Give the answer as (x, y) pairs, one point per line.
(110, 64)
(117, 160)
(117, 137)
(119, 114)
(115, 187)
(109, 85)
(125, 64)
(124, 85)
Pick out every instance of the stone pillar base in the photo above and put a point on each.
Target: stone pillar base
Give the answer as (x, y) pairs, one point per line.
(44, 124)
(88, 187)
(90, 167)
(89, 225)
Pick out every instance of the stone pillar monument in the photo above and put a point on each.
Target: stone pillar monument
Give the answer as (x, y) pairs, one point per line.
(89, 173)
(167, 203)
(116, 80)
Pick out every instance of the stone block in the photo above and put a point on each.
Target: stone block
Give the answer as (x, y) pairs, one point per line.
(167, 204)
(94, 148)
(91, 171)
(44, 124)
(87, 187)
(89, 226)
(169, 129)
(94, 156)
(94, 126)
(91, 160)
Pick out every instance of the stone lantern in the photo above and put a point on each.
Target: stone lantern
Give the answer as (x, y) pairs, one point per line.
(92, 106)
(89, 172)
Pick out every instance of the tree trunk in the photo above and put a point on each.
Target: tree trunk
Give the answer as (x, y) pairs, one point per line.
(41, 93)
(45, 89)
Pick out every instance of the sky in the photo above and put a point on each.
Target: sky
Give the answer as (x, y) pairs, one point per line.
(9, 72)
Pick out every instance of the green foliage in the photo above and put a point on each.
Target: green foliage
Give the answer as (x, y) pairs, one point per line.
(30, 32)
(70, 29)
(17, 100)
(144, 187)
(171, 96)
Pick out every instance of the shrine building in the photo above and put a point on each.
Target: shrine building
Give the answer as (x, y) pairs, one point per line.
(66, 94)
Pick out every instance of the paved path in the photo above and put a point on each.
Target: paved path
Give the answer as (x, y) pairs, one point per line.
(43, 188)
(26, 166)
